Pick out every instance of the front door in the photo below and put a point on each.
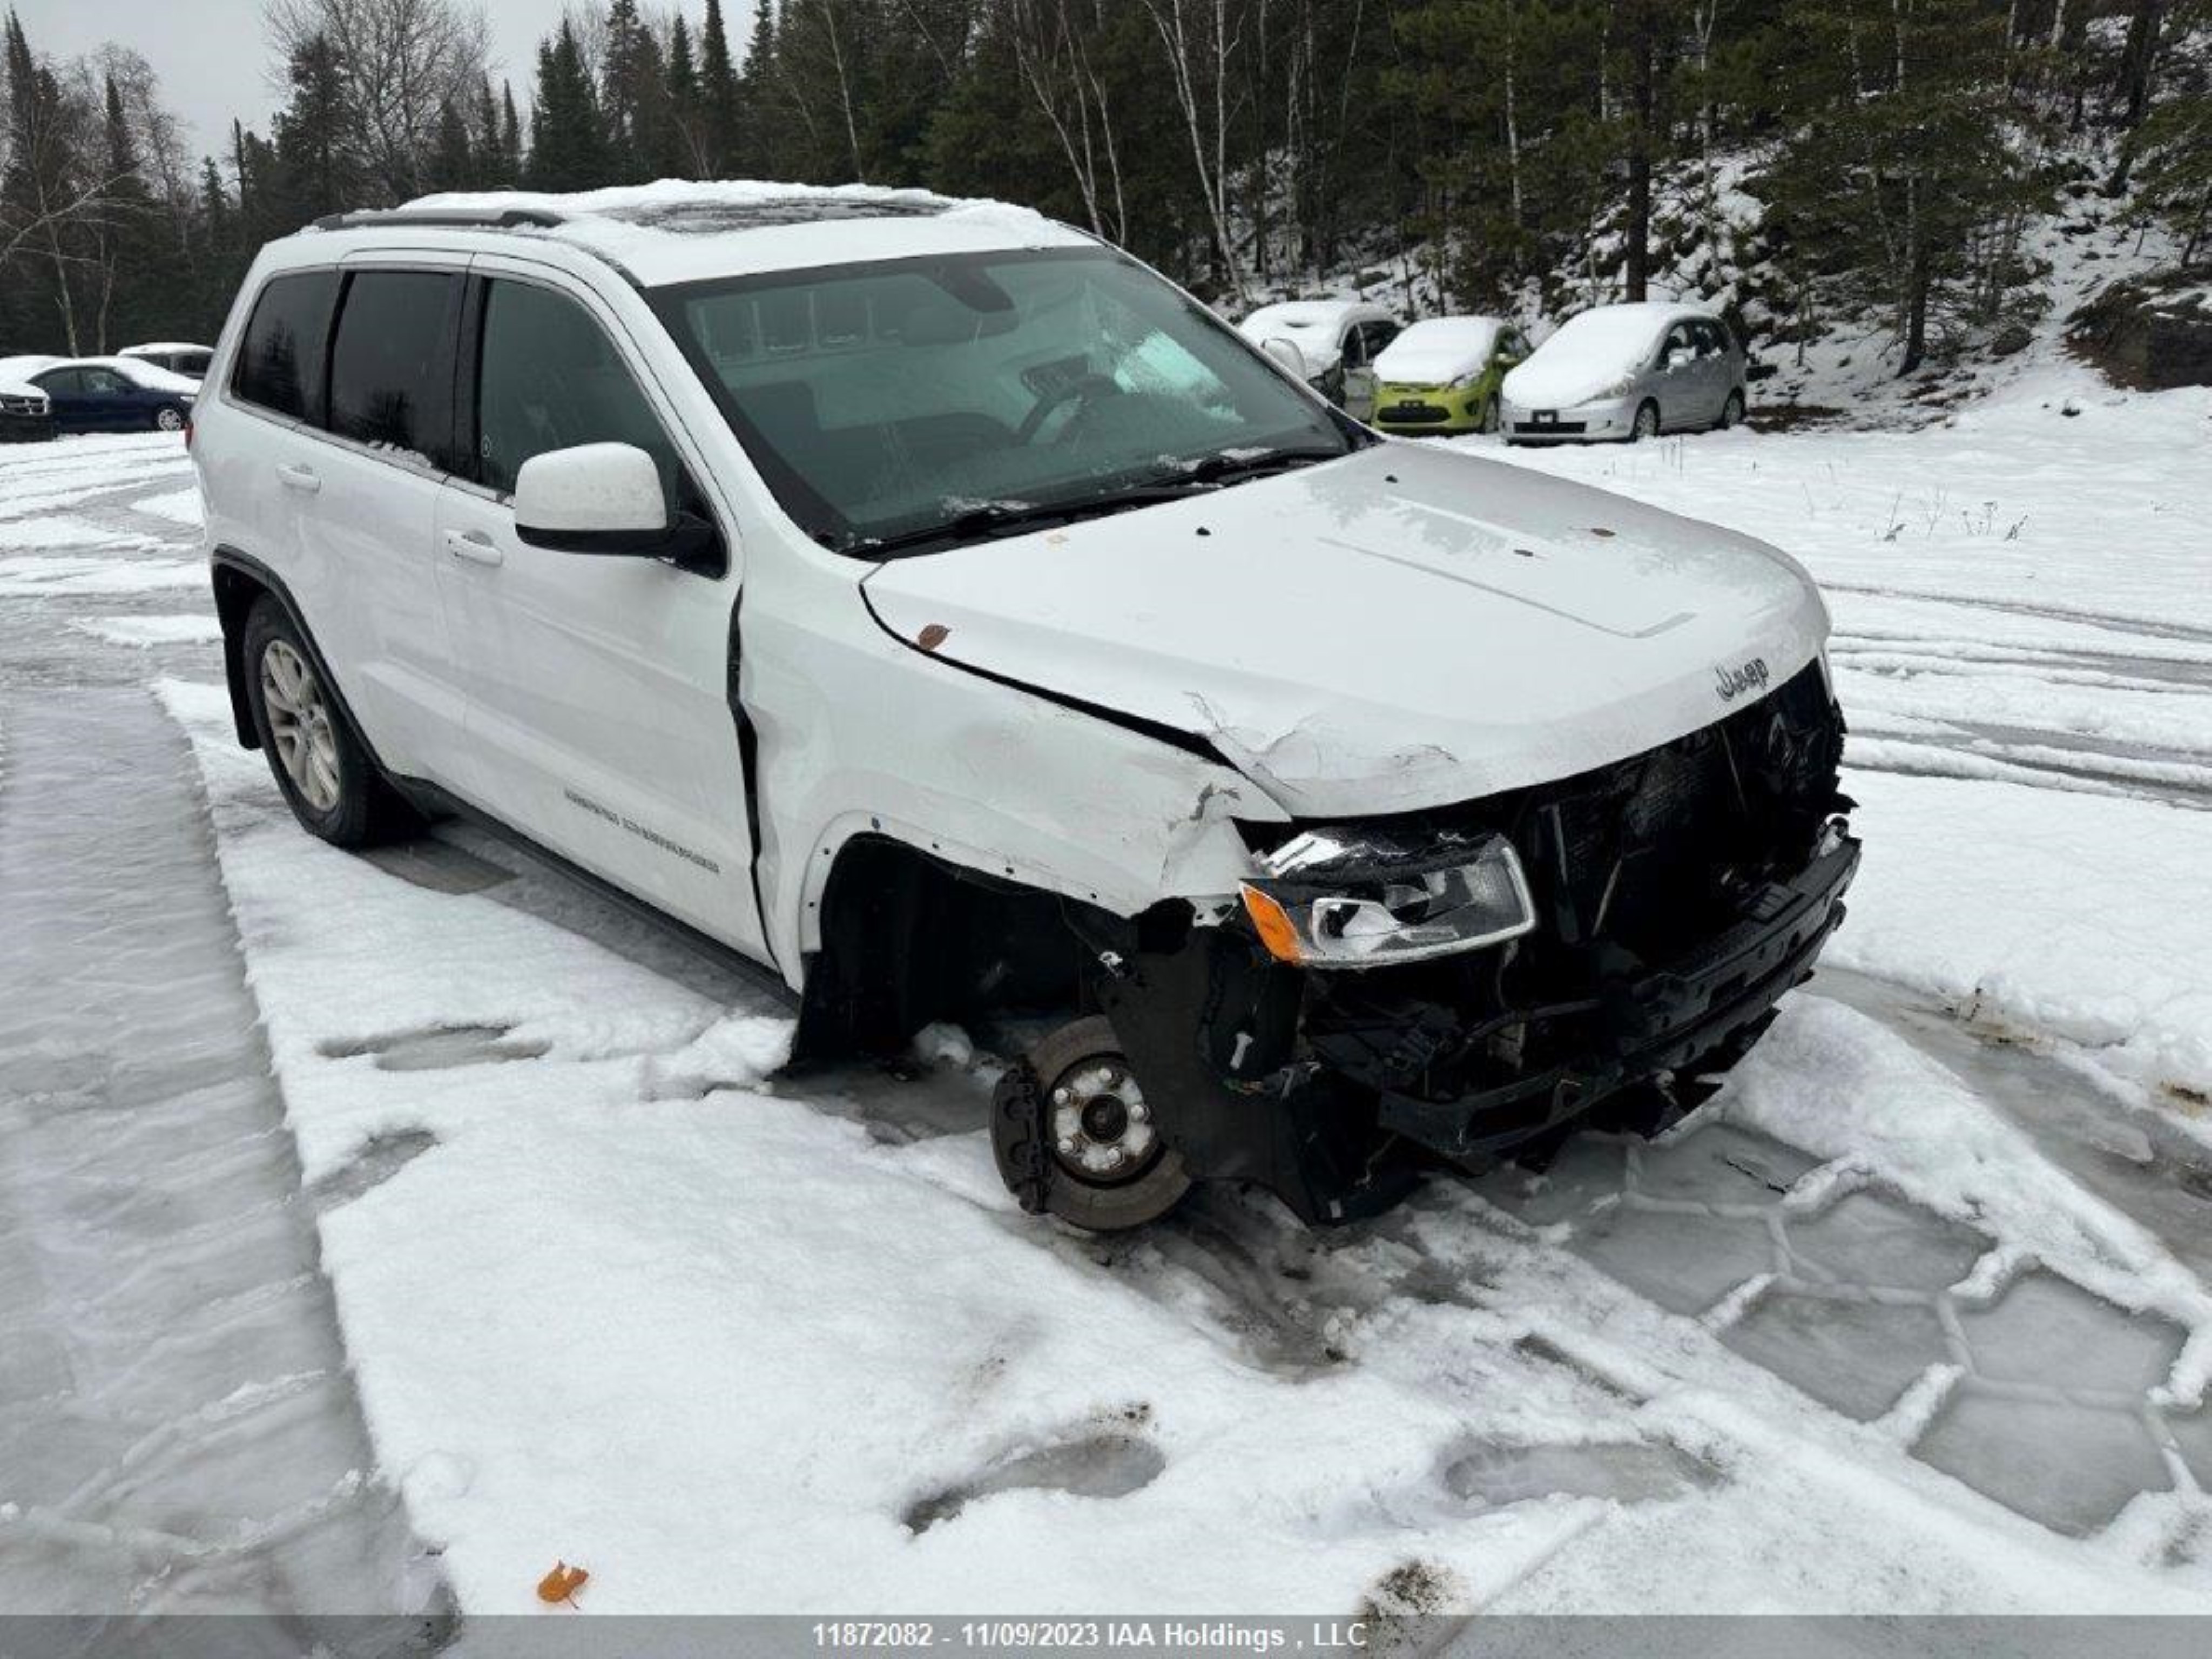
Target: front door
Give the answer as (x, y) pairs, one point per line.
(599, 716)
(1680, 382)
(72, 403)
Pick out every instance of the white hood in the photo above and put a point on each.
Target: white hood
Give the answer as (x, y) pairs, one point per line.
(1439, 351)
(1408, 626)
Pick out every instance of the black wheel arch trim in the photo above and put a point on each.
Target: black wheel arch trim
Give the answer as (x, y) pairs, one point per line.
(233, 614)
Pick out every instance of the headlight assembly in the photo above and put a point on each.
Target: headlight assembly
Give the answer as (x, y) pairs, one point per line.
(1352, 898)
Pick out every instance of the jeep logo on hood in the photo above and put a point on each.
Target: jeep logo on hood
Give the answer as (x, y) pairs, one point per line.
(1733, 682)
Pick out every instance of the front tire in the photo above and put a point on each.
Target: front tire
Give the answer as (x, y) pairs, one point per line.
(1647, 422)
(320, 764)
(1107, 1164)
(1732, 411)
(1488, 420)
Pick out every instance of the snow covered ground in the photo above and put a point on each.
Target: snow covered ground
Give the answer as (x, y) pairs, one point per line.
(1917, 1316)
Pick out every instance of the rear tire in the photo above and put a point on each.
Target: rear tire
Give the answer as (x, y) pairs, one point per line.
(1647, 422)
(168, 418)
(1110, 1167)
(319, 761)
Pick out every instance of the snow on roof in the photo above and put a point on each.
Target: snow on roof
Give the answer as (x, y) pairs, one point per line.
(1593, 351)
(152, 376)
(1321, 315)
(1438, 349)
(22, 368)
(677, 231)
(162, 347)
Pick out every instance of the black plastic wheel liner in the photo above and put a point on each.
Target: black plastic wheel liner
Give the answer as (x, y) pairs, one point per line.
(1191, 1020)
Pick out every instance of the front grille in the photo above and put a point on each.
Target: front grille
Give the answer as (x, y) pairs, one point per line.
(23, 405)
(1539, 428)
(1414, 414)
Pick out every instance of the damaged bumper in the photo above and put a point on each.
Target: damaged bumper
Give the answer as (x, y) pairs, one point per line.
(1698, 1012)
(1455, 983)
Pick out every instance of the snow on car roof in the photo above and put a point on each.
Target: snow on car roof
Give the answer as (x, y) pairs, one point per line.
(1439, 348)
(163, 346)
(1627, 328)
(152, 376)
(676, 231)
(1312, 314)
(22, 367)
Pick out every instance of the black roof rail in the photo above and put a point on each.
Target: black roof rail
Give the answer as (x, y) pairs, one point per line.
(513, 218)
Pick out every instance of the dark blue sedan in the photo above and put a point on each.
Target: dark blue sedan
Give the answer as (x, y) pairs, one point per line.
(95, 398)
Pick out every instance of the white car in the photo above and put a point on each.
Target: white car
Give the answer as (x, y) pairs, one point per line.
(25, 414)
(177, 356)
(930, 604)
(1337, 342)
(1625, 372)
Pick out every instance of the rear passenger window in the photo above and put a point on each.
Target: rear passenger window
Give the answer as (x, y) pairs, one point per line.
(550, 380)
(392, 366)
(280, 365)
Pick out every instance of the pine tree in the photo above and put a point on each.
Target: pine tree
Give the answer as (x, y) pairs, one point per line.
(634, 94)
(510, 137)
(452, 161)
(318, 173)
(718, 95)
(757, 146)
(687, 153)
(567, 144)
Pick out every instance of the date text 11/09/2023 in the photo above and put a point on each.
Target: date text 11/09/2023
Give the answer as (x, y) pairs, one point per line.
(1049, 1636)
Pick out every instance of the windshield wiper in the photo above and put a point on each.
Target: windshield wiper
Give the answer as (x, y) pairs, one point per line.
(1231, 466)
(995, 519)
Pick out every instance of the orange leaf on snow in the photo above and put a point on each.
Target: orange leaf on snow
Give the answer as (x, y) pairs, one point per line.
(562, 1584)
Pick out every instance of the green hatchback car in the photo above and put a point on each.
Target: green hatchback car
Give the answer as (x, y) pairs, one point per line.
(1442, 375)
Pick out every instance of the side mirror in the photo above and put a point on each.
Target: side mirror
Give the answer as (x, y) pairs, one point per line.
(607, 499)
(1680, 357)
(594, 498)
(1287, 353)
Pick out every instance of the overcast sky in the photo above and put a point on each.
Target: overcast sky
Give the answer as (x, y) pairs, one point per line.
(214, 63)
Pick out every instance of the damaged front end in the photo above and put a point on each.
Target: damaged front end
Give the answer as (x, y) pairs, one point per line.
(1456, 982)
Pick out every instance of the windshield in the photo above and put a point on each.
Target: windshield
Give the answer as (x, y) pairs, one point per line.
(907, 404)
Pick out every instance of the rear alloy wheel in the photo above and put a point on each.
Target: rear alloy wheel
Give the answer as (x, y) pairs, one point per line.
(169, 418)
(1111, 1167)
(1732, 411)
(1647, 422)
(322, 768)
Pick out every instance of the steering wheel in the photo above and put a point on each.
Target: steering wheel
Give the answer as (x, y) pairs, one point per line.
(1079, 390)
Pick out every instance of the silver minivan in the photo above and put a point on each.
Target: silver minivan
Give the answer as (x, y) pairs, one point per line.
(1626, 372)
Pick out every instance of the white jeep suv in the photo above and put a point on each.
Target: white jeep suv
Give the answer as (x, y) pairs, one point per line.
(935, 606)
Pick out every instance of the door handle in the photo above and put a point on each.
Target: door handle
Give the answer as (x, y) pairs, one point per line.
(474, 546)
(301, 478)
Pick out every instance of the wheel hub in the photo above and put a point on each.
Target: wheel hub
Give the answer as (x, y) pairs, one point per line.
(1101, 1128)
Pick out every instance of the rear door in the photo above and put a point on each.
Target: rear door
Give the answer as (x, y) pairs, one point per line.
(372, 486)
(600, 718)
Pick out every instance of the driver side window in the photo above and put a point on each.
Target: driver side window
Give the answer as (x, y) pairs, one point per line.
(549, 378)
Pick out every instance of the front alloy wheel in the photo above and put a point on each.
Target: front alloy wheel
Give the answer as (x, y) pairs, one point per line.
(1647, 422)
(169, 418)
